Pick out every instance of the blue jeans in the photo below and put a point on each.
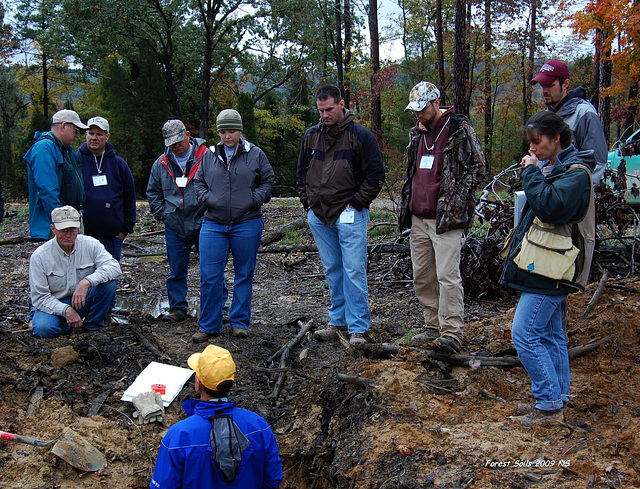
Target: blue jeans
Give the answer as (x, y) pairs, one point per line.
(343, 251)
(216, 240)
(112, 245)
(97, 304)
(539, 339)
(178, 254)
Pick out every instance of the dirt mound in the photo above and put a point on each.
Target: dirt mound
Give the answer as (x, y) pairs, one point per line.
(409, 421)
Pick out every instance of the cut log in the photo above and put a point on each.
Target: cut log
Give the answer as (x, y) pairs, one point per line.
(478, 361)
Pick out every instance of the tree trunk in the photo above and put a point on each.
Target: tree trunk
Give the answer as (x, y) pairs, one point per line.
(604, 104)
(346, 94)
(527, 72)
(440, 50)
(597, 58)
(205, 89)
(460, 62)
(337, 10)
(376, 104)
(488, 115)
(633, 108)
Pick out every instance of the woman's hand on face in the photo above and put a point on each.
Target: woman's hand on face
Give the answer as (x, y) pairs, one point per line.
(529, 159)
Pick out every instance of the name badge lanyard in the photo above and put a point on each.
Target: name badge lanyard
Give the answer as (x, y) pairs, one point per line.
(433, 145)
(99, 179)
(427, 160)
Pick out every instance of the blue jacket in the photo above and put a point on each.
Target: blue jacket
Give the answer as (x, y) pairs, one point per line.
(108, 209)
(45, 169)
(561, 197)
(177, 207)
(184, 458)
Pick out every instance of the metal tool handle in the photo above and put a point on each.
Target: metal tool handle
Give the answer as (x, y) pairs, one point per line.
(24, 439)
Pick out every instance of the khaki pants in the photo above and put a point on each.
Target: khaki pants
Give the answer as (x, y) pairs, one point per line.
(436, 276)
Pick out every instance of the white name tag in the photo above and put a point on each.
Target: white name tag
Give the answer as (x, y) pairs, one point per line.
(426, 162)
(181, 181)
(348, 216)
(99, 180)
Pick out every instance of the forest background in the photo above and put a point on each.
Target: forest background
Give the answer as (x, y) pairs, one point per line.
(139, 63)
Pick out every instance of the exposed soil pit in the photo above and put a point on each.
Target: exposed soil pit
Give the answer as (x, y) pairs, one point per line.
(418, 423)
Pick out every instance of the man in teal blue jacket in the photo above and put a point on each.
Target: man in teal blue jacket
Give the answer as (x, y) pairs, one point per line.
(53, 172)
(218, 445)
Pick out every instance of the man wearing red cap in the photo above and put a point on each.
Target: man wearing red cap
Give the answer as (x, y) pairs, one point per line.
(576, 111)
(218, 445)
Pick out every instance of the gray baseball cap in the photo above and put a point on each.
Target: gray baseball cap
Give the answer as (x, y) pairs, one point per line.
(100, 122)
(420, 95)
(173, 132)
(68, 116)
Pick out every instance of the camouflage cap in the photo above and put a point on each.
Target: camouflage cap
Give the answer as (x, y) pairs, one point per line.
(420, 95)
(173, 132)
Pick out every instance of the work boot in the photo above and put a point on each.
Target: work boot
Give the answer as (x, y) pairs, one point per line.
(525, 408)
(327, 333)
(447, 344)
(538, 416)
(427, 336)
(201, 336)
(357, 339)
(173, 317)
(240, 332)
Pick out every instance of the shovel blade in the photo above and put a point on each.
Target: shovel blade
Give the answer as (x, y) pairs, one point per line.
(78, 452)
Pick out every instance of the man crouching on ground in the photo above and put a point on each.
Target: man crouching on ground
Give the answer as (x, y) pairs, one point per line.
(72, 279)
(218, 445)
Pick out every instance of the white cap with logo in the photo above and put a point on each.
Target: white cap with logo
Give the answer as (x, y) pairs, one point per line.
(68, 116)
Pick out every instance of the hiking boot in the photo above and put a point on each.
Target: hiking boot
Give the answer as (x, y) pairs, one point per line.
(357, 339)
(447, 344)
(427, 336)
(173, 317)
(240, 332)
(201, 336)
(538, 416)
(327, 333)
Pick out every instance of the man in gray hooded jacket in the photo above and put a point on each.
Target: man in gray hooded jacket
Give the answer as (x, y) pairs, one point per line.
(576, 111)
(172, 200)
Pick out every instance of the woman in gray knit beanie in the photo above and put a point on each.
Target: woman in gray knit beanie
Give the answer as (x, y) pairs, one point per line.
(233, 182)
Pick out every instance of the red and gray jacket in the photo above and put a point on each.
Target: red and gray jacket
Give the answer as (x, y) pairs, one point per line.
(177, 207)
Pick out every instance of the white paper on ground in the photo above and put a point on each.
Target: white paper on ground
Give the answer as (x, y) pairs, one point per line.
(159, 373)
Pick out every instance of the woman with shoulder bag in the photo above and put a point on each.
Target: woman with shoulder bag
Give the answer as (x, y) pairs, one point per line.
(548, 258)
(233, 182)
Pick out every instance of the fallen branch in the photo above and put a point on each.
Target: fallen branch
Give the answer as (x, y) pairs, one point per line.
(354, 379)
(380, 248)
(284, 356)
(478, 361)
(596, 294)
(277, 234)
(18, 240)
(97, 403)
(145, 341)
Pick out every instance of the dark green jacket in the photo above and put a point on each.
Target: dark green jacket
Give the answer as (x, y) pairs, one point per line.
(561, 197)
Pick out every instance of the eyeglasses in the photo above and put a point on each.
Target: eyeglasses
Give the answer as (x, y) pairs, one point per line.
(69, 231)
(75, 129)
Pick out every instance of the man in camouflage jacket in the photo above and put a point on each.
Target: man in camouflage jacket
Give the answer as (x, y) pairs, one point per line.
(445, 164)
